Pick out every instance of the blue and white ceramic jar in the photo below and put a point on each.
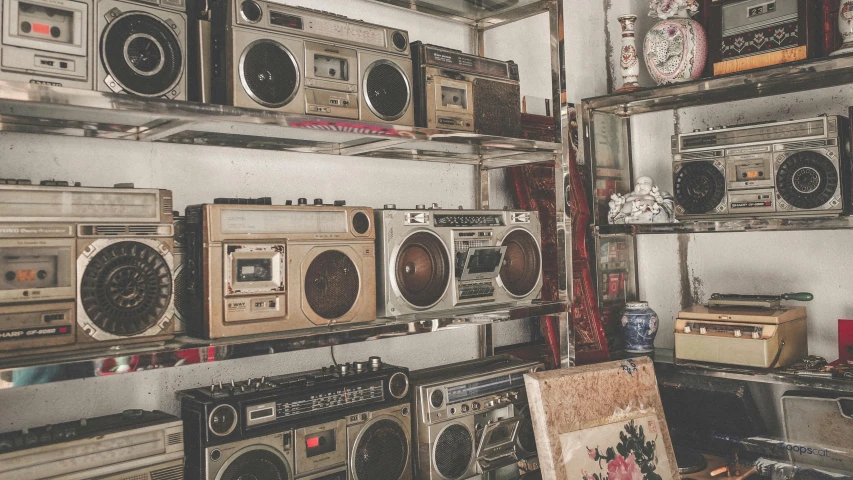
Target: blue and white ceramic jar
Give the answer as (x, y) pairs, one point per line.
(640, 325)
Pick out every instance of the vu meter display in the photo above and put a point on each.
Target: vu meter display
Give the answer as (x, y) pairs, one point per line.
(46, 23)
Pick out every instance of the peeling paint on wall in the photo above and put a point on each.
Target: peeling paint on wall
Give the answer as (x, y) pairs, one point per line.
(608, 48)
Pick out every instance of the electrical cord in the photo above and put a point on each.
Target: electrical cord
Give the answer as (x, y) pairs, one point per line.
(332, 351)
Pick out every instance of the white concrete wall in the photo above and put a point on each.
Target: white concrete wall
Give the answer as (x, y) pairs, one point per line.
(753, 263)
(198, 174)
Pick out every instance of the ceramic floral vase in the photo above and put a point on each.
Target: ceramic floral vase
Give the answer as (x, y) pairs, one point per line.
(640, 325)
(676, 47)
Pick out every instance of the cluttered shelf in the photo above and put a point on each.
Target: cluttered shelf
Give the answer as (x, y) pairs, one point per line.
(775, 80)
(730, 225)
(475, 14)
(22, 370)
(42, 109)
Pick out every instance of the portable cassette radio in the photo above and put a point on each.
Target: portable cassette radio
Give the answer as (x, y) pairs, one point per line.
(435, 260)
(288, 59)
(457, 91)
(84, 267)
(47, 42)
(472, 418)
(344, 422)
(273, 268)
(134, 444)
(800, 167)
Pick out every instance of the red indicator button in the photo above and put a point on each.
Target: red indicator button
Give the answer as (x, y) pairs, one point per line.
(41, 28)
(312, 442)
(63, 329)
(767, 204)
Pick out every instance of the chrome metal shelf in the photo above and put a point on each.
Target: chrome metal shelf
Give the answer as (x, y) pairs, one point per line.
(740, 225)
(487, 16)
(665, 359)
(25, 370)
(30, 108)
(787, 78)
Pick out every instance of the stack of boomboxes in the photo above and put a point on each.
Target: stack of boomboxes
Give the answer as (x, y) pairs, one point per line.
(257, 54)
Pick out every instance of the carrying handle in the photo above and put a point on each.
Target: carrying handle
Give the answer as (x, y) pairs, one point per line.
(798, 297)
(845, 404)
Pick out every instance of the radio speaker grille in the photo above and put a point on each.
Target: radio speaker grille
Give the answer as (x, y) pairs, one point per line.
(520, 271)
(142, 54)
(269, 73)
(171, 473)
(422, 269)
(126, 288)
(259, 464)
(175, 438)
(497, 108)
(699, 187)
(387, 90)
(453, 450)
(331, 284)
(382, 452)
(807, 180)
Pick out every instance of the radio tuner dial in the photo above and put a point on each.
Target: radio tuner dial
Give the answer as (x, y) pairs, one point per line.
(398, 385)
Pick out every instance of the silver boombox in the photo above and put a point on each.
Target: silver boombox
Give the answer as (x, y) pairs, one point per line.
(435, 260)
(137, 47)
(472, 418)
(276, 57)
(84, 267)
(800, 167)
(134, 444)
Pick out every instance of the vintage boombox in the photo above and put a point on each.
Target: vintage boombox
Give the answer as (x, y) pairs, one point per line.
(748, 34)
(132, 445)
(799, 167)
(259, 268)
(344, 422)
(47, 42)
(83, 267)
(457, 91)
(730, 330)
(435, 260)
(472, 418)
(141, 47)
(288, 59)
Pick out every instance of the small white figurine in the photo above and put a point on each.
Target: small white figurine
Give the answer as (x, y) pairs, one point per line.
(646, 204)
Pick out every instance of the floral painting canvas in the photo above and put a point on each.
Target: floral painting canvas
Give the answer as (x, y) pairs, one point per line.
(627, 450)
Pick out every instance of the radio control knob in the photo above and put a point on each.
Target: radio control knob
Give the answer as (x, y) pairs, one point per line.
(687, 329)
(435, 207)
(302, 201)
(756, 335)
(461, 207)
(475, 406)
(343, 369)
(360, 367)
(288, 202)
(390, 206)
(738, 333)
(703, 330)
(375, 362)
(82, 422)
(465, 408)
(339, 203)
(420, 207)
(318, 201)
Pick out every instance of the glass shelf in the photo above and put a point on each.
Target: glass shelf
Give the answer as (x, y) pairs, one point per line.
(738, 225)
(41, 109)
(786, 78)
(476, 13)
(25, 370)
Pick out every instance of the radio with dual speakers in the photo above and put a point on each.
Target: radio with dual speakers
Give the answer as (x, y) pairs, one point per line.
(83, 267)
(288, 59)
(472, 418)
(435, 260)
(798, 167)
(344, 422)
(260, 268)
(134, 444)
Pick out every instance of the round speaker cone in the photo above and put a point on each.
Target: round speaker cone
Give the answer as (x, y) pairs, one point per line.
(699, 187)
(526, 438)
(382, 452)
(126, 288)
(257, 465)
(386, 90)
(142, 54)
(453, 450)
(807, 180)
(520, 270)
(422, 269)
(331, 284)
(360, 223)
(269, 73)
